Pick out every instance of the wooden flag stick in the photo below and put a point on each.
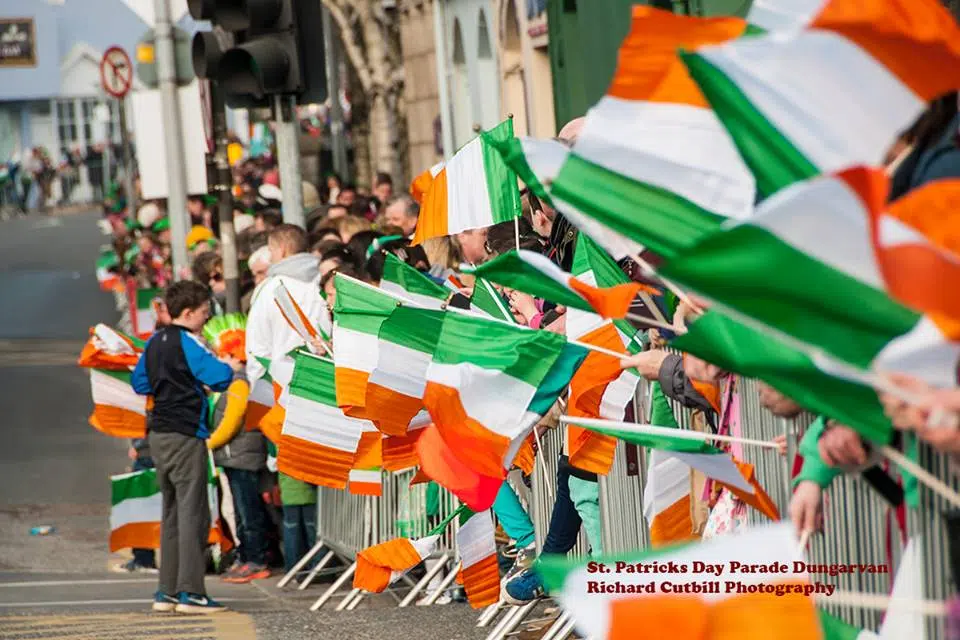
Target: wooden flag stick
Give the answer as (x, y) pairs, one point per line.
(653, 430)
(934, 483)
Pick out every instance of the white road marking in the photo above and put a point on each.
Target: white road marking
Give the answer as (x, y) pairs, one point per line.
(46, 223)
(67, 583)
(88, 603)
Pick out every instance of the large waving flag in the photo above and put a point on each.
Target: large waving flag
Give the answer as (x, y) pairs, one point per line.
(736, 476)
(359, 310)
(474, 189)
(600, 388)
(616, 605)
(108, 348)
(786, 96)
(537, 275)
(117, 409)
(440, 462)
(319, 443)
(476, 360)
(805, 266)
(653, 162)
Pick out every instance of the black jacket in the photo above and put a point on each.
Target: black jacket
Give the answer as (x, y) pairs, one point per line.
(174, 368)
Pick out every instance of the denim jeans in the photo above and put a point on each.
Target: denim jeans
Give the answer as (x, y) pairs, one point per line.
(565, 521)
(251, 514)
(144, 557)
(299, 532)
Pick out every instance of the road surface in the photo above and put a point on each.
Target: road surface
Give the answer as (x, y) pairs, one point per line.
(54, 471)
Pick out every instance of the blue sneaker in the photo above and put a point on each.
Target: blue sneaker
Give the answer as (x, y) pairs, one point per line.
(525, 587)
(196, 603)
(164, 602)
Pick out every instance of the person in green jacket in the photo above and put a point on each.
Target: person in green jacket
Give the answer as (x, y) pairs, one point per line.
(299, 500)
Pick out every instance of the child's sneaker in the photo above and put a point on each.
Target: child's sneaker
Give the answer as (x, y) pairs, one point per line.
(195, 603)
(247, 573)
(132, 566)
(524, 587)
(163, 602)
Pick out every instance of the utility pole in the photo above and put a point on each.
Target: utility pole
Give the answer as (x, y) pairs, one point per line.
(222, 184)
(443, 79)
(173, 137)
(288, 157)
(337, 130)
(128, 179)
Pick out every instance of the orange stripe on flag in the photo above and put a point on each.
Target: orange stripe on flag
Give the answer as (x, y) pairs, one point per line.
(673, 524)
(118, 422)
(439, 462)
(419, 478)
(525, 458)
(421, 185)
(610, 302)
(391, 410)
(433, 219)
(590, 451)
(369, 452)
(351, 386)
(255, 414)
(916, 40)
(648, 67)
(314, 463)
(136, 535)
(481, 581)
(477, 447)
(271, 425)
(759, 500)
(361, 486)
(376, 564)
(399, 452)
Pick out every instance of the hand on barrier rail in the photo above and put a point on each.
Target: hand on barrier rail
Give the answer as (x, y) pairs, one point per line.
(806, 507)
(840, 446)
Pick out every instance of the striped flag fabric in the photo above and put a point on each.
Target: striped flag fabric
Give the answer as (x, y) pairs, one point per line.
(359, 310)
(262, 396)
(526, 373)
(478, 556)
(381, 565)
(406, 341)
(474, 189)
(653, 162)
(137, 508)
(117, 409)
(318, 442)
(366, 474)
(295, 317)
(399, 452)
(600, 388)
(785, 96)
(441, 463)
(405, 281)
(486, 300)
(615, 605)
(108, 348)
(738, 477)
(537, 275)
(144, 314)
(799, 264)
(109, 279)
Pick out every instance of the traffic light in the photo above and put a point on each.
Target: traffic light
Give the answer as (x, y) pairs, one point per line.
(277, 50)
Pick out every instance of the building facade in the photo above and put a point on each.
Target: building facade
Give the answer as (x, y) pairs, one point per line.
(50, 93)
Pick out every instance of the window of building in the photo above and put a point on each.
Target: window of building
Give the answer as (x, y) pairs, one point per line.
(484, 51)
(66, 123)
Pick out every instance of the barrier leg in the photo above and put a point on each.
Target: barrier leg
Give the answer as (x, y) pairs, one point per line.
(489, 614)
(511, 622)
(290, 575)
(356, 600)
(509, 613)
(316, 570)
(330, 592)
(350, 596)
(450, 577)
(560, 629)
(424, 581)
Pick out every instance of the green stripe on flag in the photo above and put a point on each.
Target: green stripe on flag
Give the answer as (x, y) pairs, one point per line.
(123, 376)
(739, 349)
(139, 484)
(511, 151)
(265, 363)
(414, 328)
(558, 378)
(774, 160)
(606, 273)
(511, 270)
(661, 413)
(488, 299)
(360, 307)
(501, 180)
(313, 379)
(836, 629)
(749, 269)
(516, 351)
(654, 441)
(146, 296)
(409, 279)
(656, 218)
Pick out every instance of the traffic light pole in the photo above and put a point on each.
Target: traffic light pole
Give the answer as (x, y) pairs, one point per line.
(224, 180)
(337, 131)
(288, 156)
(173, 137)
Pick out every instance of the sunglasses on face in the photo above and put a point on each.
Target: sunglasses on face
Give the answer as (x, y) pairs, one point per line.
(217, 277)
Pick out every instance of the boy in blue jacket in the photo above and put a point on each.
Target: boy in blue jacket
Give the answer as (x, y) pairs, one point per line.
(176, 369)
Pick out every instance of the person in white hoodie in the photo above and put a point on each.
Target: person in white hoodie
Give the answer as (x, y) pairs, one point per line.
(268, 334)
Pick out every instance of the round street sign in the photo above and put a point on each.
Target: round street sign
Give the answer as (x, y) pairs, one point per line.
(116, 72)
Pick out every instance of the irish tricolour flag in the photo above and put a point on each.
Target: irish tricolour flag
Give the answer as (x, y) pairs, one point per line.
(525, 373)
(474, 189)
(403, 280)
(786, 96)
(144, 315)
(600, 388)
(117, 409)
(478, 556)
(108, 348)
(806, 267)
(672, 597)
(319, 443)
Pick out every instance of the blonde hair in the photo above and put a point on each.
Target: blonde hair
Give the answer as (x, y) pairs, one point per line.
(442, 252)
(352, 225)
